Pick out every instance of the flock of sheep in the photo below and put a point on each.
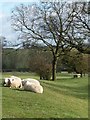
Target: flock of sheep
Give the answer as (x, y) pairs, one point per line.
(27, 84)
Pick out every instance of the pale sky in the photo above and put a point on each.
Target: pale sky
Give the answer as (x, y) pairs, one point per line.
(6, 7)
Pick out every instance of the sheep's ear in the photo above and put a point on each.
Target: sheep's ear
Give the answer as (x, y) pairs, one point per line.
(9, 82)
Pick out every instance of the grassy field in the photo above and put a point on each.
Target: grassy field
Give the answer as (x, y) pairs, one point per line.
(64, 98)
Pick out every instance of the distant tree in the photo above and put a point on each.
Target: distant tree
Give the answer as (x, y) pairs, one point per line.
(76, 62)
(22, 60)
(9, 59)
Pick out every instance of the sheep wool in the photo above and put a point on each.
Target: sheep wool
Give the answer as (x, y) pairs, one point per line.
(31, 81)
(15, 82)
(33, 87)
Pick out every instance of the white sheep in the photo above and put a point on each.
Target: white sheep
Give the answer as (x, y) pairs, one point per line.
(15, 82)
(31, 81)
(76, 75)
(33, 87)
(7, 82)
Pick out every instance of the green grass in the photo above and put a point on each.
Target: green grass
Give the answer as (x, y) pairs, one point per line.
(63, 98)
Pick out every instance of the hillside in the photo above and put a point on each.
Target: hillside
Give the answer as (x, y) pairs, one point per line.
(64, 98)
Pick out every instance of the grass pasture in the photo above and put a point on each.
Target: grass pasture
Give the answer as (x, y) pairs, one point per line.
(64, 98)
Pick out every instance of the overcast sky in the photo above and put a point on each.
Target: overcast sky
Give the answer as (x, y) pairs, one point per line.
(6, 7)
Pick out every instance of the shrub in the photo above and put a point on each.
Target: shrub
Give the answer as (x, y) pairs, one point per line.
(45, 72)
(40, 65)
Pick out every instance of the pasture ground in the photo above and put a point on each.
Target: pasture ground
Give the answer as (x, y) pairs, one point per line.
(66, 97)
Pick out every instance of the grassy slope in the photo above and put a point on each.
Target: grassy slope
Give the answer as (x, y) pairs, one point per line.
(63, 98)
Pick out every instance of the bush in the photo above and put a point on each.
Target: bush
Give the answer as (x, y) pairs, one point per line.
(45, 72)
(41, 66)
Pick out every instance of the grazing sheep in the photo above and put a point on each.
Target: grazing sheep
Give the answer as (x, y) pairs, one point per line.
(15, 82)
(31, 81)
(76, 75)
(33, 87)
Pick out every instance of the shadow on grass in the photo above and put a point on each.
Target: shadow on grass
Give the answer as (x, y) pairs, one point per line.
(66, 89)
(79, 92)
(22, 90)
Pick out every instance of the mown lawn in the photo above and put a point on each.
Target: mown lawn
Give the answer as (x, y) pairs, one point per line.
(64, 98)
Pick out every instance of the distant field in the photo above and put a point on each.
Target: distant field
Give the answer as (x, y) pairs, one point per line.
(64, 98)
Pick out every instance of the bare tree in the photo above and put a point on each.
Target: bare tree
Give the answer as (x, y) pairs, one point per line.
(51, 24)
(80, 35)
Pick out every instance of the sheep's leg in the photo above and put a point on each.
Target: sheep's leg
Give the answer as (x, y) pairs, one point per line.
(20, 85)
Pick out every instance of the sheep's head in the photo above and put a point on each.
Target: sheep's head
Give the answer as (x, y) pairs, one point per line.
(23, 82)
(7, 82)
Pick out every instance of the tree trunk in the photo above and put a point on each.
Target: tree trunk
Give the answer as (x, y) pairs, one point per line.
(81, 74)
(54, 65)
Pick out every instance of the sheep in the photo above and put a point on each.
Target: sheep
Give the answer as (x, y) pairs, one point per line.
(33, 87)
(15, 82)
(7, 82)
(76, 75)
(31, 81)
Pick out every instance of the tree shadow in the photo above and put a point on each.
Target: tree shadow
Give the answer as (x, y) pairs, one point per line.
(79, 92)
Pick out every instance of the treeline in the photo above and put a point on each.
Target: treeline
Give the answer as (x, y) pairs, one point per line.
(22, 59)
(39, 60)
